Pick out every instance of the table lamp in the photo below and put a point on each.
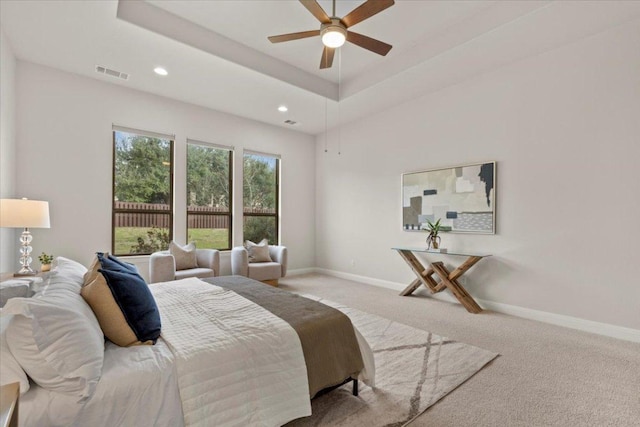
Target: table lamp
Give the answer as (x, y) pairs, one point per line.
(23, 213)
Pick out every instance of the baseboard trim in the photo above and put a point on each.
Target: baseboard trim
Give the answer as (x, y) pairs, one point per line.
(613, 331)
(299, 271)
(364, 279)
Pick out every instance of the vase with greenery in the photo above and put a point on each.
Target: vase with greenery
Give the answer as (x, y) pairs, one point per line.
(433, 240)
(45, 260)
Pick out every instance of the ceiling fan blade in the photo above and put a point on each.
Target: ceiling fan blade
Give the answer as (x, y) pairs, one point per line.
(316, 10)
(293, 36)
(366, 10)
(368, 43)
(327, 57)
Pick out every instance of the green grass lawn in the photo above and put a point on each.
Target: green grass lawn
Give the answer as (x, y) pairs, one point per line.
(215, 238)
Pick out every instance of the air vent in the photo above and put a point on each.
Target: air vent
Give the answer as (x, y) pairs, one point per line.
(113, 73)
(290, 122)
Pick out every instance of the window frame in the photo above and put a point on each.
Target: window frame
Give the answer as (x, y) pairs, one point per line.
(275, 215)
(231, 198)
(115, 211)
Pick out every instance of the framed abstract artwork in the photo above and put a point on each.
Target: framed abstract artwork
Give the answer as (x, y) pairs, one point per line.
(463, 198)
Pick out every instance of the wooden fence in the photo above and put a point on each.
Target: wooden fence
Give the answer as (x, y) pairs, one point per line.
(197, 216)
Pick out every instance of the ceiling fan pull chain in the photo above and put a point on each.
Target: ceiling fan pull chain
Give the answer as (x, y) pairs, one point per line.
(339, 99)
(326, 123)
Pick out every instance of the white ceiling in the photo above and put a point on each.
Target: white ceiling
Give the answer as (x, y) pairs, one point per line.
(218, 55)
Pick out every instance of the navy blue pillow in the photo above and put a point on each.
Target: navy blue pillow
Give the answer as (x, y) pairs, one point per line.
(134, 298)
(112, 263)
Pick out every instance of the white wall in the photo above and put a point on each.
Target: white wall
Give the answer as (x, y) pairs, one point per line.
(564, 127)
(8, 239)
(64, 128)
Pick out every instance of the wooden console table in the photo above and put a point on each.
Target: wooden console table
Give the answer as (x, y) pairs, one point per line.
(448, 280)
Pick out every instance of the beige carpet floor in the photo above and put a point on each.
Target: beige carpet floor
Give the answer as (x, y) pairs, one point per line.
(546, 375)
(413, 370)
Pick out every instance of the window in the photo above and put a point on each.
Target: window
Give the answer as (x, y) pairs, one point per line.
(142, 214)
(209, 184)
(261, 179)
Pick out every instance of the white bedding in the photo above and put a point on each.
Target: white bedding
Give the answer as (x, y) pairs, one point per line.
(237, 363)
(225, 380)
(138, 388)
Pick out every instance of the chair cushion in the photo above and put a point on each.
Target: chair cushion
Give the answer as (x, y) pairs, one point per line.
(265, 271)
(195, 272)
(258, 252)
(185, 256)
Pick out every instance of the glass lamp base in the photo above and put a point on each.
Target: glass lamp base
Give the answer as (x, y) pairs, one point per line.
(25, 255)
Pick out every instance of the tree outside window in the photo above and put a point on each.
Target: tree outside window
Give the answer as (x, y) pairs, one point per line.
(142, 193)
(261, 175)
(209, 201)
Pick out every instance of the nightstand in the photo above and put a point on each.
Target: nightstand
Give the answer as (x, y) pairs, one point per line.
(22, 286)
(9, 396)
(10, 276)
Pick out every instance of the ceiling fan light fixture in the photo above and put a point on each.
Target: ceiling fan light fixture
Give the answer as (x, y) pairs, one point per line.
(333, 35)
(333, 30)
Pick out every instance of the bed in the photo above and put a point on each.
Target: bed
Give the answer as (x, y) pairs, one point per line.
(232, 352)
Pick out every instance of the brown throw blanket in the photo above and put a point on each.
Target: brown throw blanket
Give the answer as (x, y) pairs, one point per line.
(328, 341)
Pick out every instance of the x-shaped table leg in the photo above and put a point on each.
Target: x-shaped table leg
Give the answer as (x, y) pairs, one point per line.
(448, 280)
(424, 274)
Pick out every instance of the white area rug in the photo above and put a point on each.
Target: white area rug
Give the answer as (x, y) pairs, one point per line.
(414, 369)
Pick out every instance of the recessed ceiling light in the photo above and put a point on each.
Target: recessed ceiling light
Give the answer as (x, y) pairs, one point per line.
(160, 71)
(283, 109)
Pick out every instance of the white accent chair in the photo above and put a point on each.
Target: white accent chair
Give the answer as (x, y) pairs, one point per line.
(162, 266)
(267, 272)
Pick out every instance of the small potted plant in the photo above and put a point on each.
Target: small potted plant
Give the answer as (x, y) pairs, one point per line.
(45, 260)
(433, 240)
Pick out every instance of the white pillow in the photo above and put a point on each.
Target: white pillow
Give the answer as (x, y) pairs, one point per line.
(185, 256)
(258, 252)
(10, 369)
(57, 340)
(66, 274)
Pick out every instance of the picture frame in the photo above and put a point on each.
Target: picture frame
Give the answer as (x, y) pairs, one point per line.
(462, 197)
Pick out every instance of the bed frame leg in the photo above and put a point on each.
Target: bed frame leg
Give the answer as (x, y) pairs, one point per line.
(355, 387)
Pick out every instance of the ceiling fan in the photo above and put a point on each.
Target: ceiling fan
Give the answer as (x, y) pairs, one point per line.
(333, 30)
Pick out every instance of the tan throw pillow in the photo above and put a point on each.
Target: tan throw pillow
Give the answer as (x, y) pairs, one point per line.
(185, 256)
(111, 319)
(258, 252)
(92, 272)
(121, 301)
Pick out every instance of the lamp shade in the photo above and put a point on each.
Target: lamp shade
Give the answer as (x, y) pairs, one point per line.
(23, 213)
